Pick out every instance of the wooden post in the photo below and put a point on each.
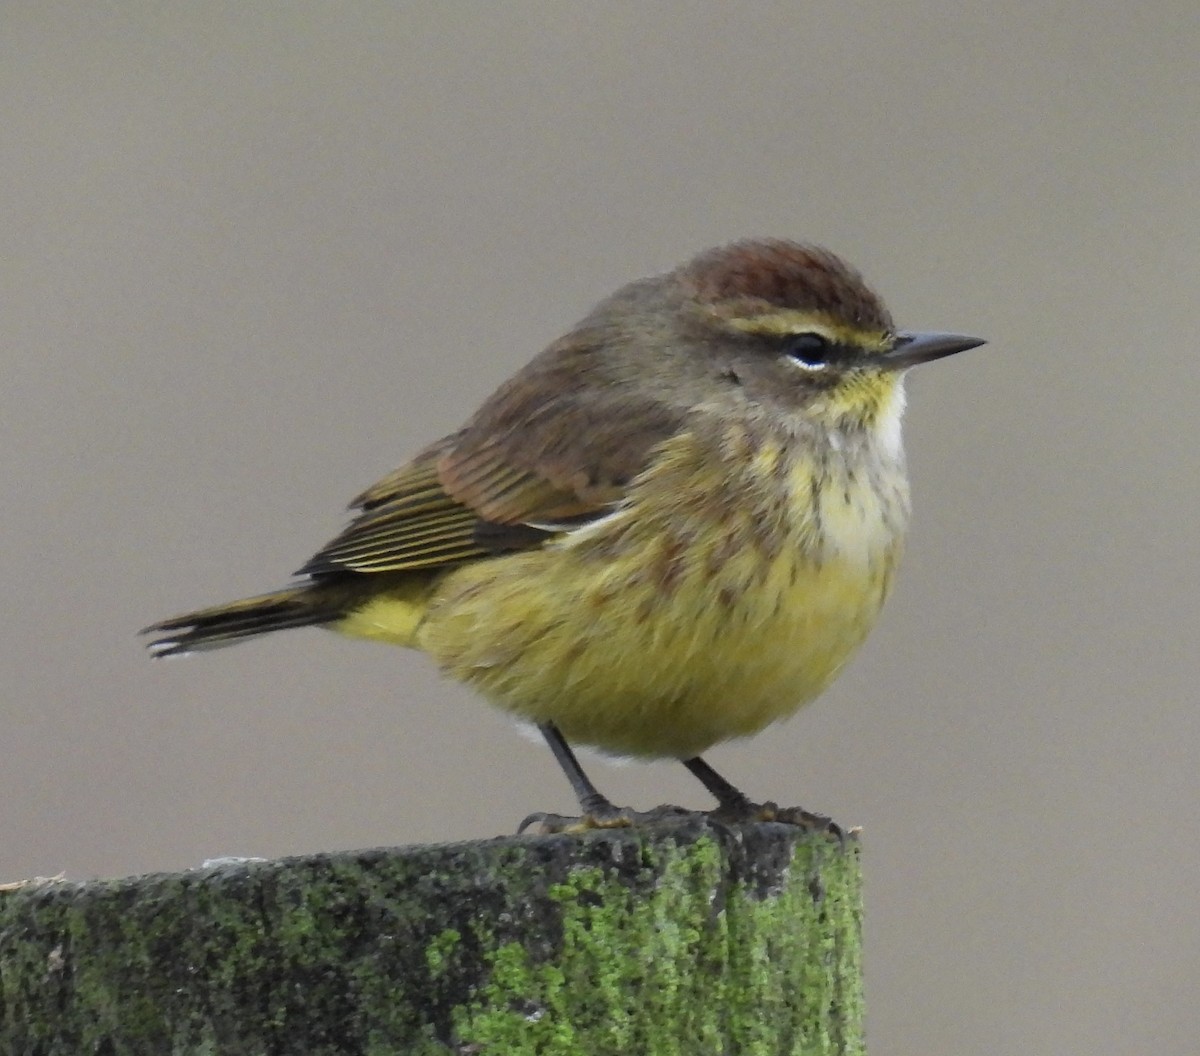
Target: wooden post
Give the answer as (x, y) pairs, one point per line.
(684, 938)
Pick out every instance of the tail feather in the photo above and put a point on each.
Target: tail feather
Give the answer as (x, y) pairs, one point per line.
(221, 625)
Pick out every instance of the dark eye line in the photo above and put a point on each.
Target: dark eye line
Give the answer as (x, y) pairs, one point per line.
(814, 349)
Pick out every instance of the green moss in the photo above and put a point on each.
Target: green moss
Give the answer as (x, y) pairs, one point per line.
(440, 947)
(673, 970)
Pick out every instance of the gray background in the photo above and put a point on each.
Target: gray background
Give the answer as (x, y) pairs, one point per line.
(253, 259)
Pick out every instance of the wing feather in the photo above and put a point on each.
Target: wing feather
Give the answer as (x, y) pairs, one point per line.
(525, 468)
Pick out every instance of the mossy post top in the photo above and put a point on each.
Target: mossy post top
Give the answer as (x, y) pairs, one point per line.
(683, 938)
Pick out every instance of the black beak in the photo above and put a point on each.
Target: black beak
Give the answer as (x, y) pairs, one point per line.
(911, 349)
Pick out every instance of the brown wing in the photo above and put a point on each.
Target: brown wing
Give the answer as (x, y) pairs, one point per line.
(554, 447)
(408, 522)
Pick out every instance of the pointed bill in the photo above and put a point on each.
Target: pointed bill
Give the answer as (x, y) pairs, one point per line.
(912, 349)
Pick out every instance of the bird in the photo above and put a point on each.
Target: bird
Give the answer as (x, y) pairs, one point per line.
(671, 528)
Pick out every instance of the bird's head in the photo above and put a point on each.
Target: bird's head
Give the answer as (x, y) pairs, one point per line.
(794, 324)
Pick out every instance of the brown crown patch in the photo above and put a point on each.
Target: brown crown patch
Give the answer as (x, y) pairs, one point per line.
(757, 276)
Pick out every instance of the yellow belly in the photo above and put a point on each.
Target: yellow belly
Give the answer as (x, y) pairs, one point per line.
(671, 626)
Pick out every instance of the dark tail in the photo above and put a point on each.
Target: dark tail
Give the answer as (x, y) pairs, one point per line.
(302, 606)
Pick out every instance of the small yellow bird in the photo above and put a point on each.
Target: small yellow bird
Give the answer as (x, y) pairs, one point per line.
(671, 528)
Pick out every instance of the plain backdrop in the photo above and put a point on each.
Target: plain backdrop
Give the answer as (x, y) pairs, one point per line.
(254, 256)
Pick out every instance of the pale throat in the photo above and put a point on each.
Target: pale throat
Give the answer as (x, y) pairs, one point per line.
(852, 424)
(862, 515)
(886, 426)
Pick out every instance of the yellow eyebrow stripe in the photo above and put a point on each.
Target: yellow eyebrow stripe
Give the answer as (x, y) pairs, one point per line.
(790, 321)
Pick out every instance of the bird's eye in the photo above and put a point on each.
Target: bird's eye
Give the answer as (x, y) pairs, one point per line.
(810, 351)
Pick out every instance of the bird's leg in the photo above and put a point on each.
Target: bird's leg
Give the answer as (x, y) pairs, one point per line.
(598, 811)
(729, 798)
(591, 800)
(733, 805)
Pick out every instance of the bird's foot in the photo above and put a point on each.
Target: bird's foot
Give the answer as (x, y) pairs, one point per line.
(599, 816)
(743, 811)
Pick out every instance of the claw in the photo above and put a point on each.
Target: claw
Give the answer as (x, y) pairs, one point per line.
(548, 824)
(746, 811)
(810, 822)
